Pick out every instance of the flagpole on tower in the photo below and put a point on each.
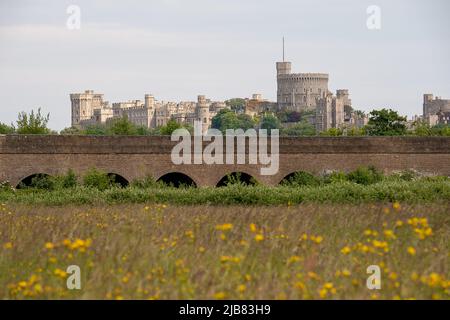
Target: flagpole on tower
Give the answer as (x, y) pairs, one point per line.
(283, 49)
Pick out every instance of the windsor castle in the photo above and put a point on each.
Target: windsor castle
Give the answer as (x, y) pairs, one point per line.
(301, 92)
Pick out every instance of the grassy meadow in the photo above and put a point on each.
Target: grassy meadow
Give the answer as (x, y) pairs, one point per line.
(157, 251)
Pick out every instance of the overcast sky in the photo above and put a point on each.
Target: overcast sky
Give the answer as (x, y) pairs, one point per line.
(177, 49)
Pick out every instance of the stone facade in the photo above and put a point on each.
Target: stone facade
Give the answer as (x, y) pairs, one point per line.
(88, 108)
(299, 91)
(295, 91)
(309, 92)
(435, 110)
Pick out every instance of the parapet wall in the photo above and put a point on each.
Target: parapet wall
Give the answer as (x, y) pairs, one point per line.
(53, 144)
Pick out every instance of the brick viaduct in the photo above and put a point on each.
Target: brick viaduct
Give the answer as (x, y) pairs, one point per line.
(132, 157)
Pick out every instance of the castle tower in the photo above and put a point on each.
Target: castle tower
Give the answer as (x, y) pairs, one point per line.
(283, 67)
(427, 98)
(299, 91)
(149, 103)
(202, 112)
(343, 95)
(83, 105)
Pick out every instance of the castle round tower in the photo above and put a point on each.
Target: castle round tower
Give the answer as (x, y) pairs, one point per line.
(299, 91)
(202, 112)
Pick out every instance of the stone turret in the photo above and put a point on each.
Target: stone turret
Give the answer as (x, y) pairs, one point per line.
(202, 112)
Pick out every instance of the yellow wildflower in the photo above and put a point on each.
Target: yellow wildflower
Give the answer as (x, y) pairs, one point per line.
(49, 245)
(346, 250)
(411, 251)
(220, 295)
(224, 227)
(8, 245)
(241, 288)
(259, 237)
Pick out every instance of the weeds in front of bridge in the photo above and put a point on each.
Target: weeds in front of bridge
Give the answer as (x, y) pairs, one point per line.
(436, 189)
(203, 252)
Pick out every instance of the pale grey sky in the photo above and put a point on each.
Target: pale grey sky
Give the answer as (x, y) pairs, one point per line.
(177, 49)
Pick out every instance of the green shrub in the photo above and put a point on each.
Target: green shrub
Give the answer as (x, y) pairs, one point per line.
(5, 186)
(335, 177)
(145, 183)
(365, 175)
(69, 180)
(301, 178)
(42, 181)
(407, 175)
(97, 179)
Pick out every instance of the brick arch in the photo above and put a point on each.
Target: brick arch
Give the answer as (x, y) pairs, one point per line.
(119, 179)
(18, 178)
(27, 179)
(177, 177)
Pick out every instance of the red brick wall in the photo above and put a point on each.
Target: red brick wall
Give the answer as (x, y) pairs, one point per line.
(134, 157)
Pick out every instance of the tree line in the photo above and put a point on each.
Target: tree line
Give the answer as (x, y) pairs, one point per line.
(384, 122)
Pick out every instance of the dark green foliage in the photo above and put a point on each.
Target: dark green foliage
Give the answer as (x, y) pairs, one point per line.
(5, 129)
(33, 123)
(71, 131)
(301, 178)
(170, 127)
(335, 177)
(303, 128)
(386, 122)
(96, 130)
(122, 126)
(69, 180)
(227, 119)
(332, 132)
(365, 175)
(417, 191)
(42, 181)
(236, 104)
(98, 180)
(145, 183)
(270, 122)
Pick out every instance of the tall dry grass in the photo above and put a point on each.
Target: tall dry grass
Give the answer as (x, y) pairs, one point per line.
(204, 252)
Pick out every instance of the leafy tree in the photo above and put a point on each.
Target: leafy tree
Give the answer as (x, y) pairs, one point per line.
(289, 116)
(303, 128)
(441, 130)
(170, 127)
(332, 132)
(5, 129)
(227, 119)
(96, 130)
(122, 126)
(354, 131)
(245, 121)
(422, 129)
(142, 131)
(386, 122)
(270, 122)
(33, 123)
(71, 131)
(236, 104)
